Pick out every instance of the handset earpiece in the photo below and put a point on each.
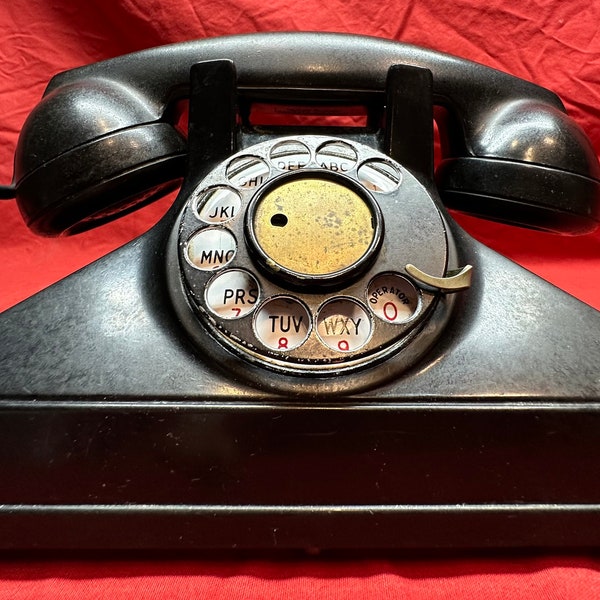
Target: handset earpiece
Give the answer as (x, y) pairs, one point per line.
(90, 152)
(527, 164)
(99, 141)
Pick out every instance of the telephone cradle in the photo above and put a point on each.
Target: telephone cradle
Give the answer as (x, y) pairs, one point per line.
(307, 351)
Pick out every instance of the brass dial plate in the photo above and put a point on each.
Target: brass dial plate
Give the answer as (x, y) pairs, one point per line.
(313, 226)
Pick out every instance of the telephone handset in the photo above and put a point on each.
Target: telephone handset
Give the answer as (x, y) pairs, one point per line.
(306, 300)
(508, 141)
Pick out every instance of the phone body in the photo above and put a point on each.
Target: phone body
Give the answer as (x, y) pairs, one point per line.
(306, 351)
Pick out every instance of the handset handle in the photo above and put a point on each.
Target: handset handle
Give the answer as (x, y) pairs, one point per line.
(287, 66)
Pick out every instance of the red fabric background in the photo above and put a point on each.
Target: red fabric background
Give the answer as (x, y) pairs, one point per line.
(552, 42)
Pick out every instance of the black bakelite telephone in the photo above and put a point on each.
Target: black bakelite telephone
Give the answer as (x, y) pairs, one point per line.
(306, 351)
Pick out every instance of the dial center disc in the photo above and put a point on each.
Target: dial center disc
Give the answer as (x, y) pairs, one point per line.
(314, 227)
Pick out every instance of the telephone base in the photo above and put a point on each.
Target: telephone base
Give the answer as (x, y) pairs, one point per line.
(117, 433)
(192, 477)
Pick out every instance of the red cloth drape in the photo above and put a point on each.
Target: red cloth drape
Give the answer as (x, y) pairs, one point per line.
(552, 42)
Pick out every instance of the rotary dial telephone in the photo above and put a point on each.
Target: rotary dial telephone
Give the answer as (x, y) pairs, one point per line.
(306, 351)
